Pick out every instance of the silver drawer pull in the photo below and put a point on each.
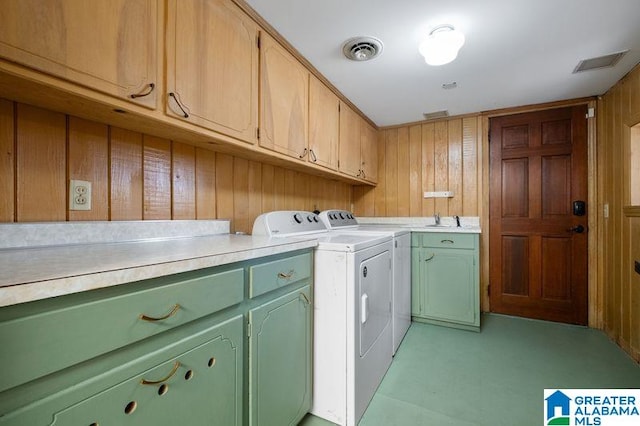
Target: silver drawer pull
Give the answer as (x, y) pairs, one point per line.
(432, 256)
(170, 314)
(164, 379)
(447, 241)
(286, 276)
(306, 299)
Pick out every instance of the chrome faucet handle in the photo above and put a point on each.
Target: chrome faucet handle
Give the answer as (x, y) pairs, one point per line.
(437, 218)
(457, 218)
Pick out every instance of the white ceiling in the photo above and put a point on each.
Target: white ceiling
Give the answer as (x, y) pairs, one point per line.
(517, 52)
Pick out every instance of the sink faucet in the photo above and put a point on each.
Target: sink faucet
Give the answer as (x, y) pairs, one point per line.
(437, 218)
(457, 218)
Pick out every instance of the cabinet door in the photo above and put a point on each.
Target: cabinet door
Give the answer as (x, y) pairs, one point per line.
(349, 150)
(195, 380)
(280, 360)
(108, 45)
(212, 66)
(450, 290)
(283, 100)
(417, 280)
(369, 151)
(324, 125)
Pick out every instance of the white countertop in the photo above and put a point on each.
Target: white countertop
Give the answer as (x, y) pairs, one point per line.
(33, 273)
(469, 224)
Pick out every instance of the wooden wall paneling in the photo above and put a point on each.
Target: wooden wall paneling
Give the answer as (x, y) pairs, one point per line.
(455, 166)
(225, 189)
(634, 282)
(381, 188)
(7, 161)
(205, 184)
(41, 193)
(391, 172)
(364, 199)
(183, 181)
(428, 168)
(415, 171)
(291, 201)
(617, 210)
(470, 166)
(268, 188)
(157, 178)
(255, 193)
(279, 189)
(301, 190)
(88, 159)
(126, 174)
(441, 166)
(483, 163)
(241, 195)
(404, 183)
(623, 143)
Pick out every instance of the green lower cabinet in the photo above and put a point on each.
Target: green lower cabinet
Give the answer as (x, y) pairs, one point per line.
(445, 281)
(280, 370)
(200, 386)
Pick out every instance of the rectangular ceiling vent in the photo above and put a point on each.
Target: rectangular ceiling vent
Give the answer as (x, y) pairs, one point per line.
(435, 115)
(599, 62)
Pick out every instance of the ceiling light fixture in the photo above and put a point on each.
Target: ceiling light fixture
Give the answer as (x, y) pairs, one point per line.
(441, 45)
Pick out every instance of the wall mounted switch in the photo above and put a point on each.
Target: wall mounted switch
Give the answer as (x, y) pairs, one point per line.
(79, 195)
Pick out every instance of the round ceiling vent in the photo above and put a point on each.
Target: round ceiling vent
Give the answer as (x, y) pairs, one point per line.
(362, 48)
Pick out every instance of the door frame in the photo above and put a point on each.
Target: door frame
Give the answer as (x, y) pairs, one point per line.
(595, 290)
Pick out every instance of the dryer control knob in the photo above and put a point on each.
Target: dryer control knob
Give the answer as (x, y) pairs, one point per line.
(297, 217)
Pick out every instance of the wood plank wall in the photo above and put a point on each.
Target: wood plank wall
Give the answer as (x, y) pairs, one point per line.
(619, 110)
(136, 176)
(436, 156)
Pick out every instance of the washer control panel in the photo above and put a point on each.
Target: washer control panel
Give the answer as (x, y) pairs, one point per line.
(287, 223)
(338, 219)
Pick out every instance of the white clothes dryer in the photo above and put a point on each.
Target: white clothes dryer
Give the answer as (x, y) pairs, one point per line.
(343, 221)
(352, 293)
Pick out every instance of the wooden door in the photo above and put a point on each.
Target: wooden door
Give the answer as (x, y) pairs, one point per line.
(109, 46)
(369, 151)
(284, 104)
(538, 259)
(324, 125)
(349, 147)
(212, 66)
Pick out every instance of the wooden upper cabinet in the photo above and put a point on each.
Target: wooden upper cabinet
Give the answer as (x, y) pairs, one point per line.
(349, 151)
(369, 151)
(283, 100)
(107, 45)
(212, 66)
(324, 125)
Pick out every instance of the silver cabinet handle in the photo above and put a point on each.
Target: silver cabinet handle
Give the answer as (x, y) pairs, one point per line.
(432, 256)
(447, 241)
(286, 276)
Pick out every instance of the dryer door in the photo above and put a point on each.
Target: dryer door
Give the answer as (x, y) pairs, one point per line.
(374, 284)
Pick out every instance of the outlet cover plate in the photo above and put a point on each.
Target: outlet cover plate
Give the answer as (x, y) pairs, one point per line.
(79, 195)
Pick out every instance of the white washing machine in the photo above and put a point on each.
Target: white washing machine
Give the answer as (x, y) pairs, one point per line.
(352, 313)
(344, 222)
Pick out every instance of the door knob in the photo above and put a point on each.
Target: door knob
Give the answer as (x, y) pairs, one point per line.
(577, 229)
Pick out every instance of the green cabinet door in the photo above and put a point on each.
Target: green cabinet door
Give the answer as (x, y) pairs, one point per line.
(417, 281)
(201, 385)
(450, 290)
(280, 360)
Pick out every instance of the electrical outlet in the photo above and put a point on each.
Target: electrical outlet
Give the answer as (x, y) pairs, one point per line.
(79, 195)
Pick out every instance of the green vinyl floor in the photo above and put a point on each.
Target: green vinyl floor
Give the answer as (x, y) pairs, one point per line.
(446, 377)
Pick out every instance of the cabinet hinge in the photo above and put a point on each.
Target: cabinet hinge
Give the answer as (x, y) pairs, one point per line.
(339, 107)
(258, 41)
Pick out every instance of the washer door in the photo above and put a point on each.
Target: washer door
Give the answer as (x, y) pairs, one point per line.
(374, 306)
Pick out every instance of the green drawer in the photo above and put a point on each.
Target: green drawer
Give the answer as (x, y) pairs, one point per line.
(449, 240)
(269, 276)
(194, 380)
(42, 337)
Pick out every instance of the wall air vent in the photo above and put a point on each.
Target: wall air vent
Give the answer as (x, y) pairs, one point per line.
(599, 62)
(362, 48)
(435, 115)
